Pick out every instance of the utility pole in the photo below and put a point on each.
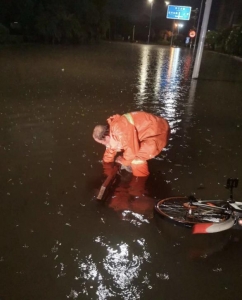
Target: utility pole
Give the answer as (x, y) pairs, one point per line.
(199, 52)
(198, 23)
(172, 32)
(151, 5)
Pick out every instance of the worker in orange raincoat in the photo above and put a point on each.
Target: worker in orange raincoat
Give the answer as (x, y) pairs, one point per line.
(140, 136)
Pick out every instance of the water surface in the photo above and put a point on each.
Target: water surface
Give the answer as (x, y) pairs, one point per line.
(57, 241)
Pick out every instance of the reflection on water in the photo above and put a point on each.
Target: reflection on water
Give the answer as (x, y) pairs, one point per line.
(57, 243)
(130, 201)
(163, 81)
(190, 102)
(115, 274)
(144, 67)
(134, 218)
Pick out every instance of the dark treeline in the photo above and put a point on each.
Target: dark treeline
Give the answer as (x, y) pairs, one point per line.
(66, 21)
(55, 21)
(78, 21)
(84, 21)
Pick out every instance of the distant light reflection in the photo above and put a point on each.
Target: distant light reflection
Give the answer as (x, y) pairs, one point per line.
(143, 74)
(171, 93)
(174, 63)
(162, 82)
(160, 77)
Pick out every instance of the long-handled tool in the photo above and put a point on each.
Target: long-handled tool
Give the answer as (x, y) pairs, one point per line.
(109, 181)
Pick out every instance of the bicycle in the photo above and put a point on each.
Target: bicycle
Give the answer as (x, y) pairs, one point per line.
(204, 216)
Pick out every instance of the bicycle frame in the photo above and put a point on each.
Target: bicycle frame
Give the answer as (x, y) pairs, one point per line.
(235, 206)
(231, 207)
(204, 216)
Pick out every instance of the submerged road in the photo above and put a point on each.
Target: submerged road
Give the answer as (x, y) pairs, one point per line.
(57, 241)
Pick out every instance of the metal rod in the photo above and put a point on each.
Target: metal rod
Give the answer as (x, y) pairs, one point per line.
(173, 24)
(151, 4)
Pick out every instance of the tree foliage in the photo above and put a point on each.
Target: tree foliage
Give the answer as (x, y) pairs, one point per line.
(4, 32)
(234, 41)
(228, 40)
(79, 21)
(57, 21)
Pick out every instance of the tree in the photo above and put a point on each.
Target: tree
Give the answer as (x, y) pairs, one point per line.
(212, 39)
(222, 38)
(47, 24)
(233, 43)
(57, 21)
(4, 32)
(27, 18)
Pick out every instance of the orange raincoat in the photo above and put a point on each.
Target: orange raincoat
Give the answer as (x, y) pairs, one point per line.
(140, 135)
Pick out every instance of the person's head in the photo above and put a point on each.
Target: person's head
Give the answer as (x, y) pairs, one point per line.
(101, 134)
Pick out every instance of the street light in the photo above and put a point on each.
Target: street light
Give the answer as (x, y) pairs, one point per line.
(178, 25)
(151, 5)
(167, 3)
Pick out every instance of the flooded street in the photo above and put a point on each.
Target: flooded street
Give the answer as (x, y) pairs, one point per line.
(57, 240)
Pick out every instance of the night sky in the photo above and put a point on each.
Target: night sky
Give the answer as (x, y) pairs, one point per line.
(135, 9)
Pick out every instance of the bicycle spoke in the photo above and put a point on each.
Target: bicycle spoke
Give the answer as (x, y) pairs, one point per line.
(180, 210)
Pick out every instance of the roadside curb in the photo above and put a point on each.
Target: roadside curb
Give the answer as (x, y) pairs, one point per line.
(232, 56)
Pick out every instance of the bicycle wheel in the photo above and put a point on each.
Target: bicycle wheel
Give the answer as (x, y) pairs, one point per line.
(179, 209)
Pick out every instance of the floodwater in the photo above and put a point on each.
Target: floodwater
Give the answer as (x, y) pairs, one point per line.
(56, 240)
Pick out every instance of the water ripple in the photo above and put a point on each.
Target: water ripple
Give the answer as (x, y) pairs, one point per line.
(116, 273)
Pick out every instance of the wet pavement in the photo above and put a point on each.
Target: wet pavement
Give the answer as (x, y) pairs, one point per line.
(57, 240)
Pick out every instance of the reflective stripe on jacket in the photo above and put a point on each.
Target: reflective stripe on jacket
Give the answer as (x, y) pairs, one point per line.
(140, 135)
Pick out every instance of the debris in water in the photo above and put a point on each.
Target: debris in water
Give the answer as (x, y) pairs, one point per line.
(162, 276)
(217, 270)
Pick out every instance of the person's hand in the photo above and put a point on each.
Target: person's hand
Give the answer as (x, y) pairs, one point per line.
(119, 160)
